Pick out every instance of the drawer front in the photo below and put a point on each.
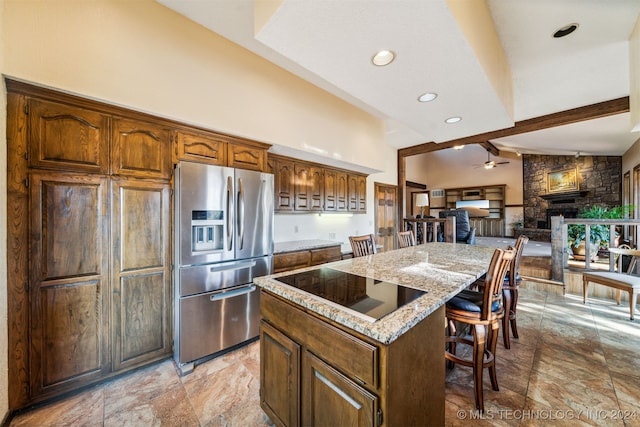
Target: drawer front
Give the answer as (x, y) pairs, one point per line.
(291, 261)
(324, 255)
(354, 357)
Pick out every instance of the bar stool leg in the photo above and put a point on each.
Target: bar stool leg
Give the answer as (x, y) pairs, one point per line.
(479, 338)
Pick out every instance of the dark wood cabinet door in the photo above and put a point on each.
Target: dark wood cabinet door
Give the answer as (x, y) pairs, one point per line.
(67, 138)
(69, 282)
(315, 185)
(330, 190)
(140, 149)
(309, 187)
(246, 157)
(362, 193)
(331, 399)
(352, 193)
(201, 147)
(341, 192)
(284, 186)
(141, 271)
(301, 187)
(280, 388)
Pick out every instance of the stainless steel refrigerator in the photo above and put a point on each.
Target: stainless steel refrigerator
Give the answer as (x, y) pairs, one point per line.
(224, 238)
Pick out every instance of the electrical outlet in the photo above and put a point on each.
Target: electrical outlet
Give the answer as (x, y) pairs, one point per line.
(295, 228)
(332, 236)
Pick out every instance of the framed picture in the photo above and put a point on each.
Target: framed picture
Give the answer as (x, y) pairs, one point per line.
(562, 180)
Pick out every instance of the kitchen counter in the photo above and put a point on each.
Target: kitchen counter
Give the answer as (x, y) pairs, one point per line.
(303, 245)
(441, 269)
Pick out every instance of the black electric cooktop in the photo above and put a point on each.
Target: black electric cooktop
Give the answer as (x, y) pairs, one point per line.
(365, 297)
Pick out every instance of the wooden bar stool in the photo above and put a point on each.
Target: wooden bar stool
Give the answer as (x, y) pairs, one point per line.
(363, 245)
(406, 239)
(483, 311)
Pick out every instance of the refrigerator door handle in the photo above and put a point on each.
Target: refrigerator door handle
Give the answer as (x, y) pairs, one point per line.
(240, 214)
(228, 213)
(234, 293)
(234, 266)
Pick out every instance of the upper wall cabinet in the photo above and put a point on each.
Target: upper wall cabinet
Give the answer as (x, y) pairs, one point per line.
(65, 137)
(302, 186)
(215, 149)
(201, 147)
(140, 149)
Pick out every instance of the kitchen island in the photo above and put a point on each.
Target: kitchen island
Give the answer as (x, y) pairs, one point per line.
(323, 363)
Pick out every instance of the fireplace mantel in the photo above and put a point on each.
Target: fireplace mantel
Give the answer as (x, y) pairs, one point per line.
(564, 195)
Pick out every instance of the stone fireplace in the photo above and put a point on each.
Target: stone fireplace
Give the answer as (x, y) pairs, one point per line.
(599, 182)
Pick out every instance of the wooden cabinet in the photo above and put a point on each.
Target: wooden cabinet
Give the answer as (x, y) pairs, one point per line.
(66, 137)
(246, 157)
(335, 190)
(332, 399)
(141, 298)
(309, 187)
(345, 378)
(284, 179)
(68, 281)
(223, 150)
(201, 147)
(90, 272)
(140, 149)
(304, 258)
(280, 391)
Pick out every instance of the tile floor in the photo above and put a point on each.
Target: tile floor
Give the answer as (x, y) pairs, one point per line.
(574, 364)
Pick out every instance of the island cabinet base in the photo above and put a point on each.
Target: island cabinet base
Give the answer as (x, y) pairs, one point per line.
(314, 372)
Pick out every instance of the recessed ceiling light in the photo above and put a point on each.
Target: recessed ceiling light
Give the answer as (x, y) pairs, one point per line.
(426, 97)
(565, 31)
(453, 120)
(384, 57)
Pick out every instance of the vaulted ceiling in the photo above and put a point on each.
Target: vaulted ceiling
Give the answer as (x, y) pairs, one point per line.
(492, 63)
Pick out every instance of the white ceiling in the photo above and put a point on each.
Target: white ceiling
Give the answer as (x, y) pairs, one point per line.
(330, 43)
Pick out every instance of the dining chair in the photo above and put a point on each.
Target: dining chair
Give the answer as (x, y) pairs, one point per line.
(510, 287)
(483, 312)
(363, 245)
(406, 239)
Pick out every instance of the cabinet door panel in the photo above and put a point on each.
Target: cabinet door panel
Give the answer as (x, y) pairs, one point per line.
(279, 389)
(201, 148)
(341, 192)
(141, 271)
(330, 190)
(69, 281)
(140, 149)
(316, 188)
(331, 399)
(243, 157)
(284, 186)
(66, 137)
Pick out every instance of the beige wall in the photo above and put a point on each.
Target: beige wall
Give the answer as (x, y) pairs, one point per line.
(631, 159)
(144, 56)
(4, 399)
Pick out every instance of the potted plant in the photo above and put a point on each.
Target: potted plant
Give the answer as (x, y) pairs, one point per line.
(598, 233)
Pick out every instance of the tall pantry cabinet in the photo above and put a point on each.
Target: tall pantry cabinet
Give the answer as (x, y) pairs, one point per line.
(89, 250)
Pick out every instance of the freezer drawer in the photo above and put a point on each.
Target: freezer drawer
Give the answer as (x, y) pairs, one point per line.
(222, 275)
(214, 321)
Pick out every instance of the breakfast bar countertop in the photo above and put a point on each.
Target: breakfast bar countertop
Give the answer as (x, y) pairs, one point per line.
(441, 269)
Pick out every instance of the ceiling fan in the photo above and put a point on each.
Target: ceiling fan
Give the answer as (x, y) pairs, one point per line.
(490, 164)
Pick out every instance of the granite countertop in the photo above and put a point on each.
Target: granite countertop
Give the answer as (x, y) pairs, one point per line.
(441, 269)
(303, 245)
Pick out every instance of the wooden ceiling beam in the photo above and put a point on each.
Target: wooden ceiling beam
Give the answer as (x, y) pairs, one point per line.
(490, 148)
(574, 115)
